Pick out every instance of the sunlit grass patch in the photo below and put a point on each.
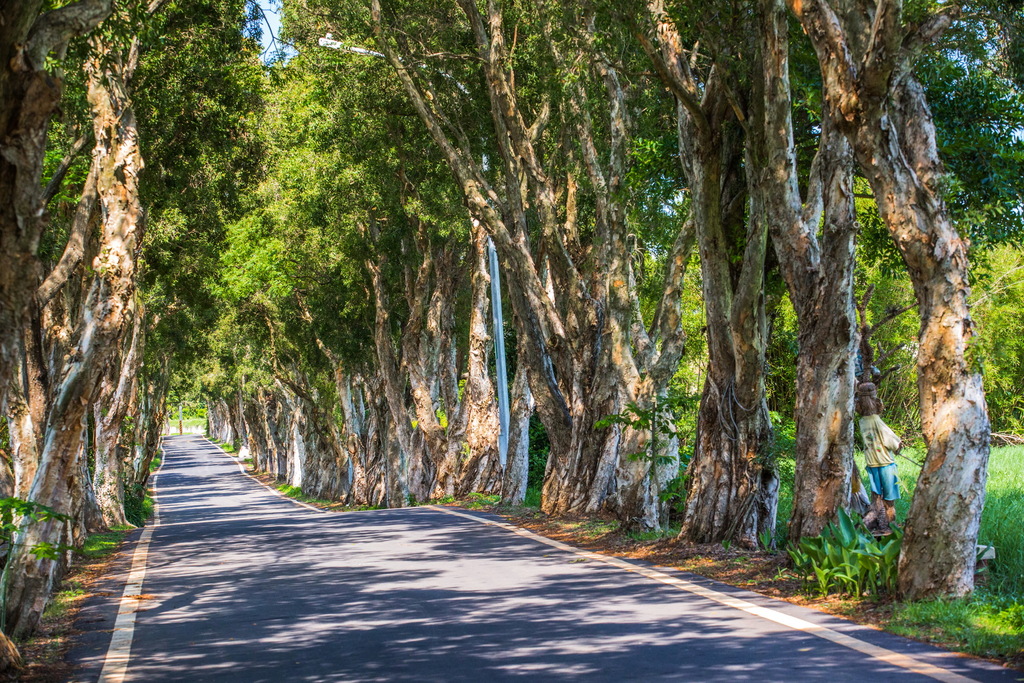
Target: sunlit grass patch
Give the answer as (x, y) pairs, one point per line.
(479, 501)
(104, 543)
(62, 602)
(295, 492)
(1002, 518)
(985, 625)
(666, 532)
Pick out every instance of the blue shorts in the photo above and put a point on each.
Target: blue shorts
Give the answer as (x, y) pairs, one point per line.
(884, 481)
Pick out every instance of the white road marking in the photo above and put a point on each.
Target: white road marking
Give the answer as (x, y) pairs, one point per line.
(241, 468)
(115, 664)
(880, 653)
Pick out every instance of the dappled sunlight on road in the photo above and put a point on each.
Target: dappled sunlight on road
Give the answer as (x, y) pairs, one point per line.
(247, 586)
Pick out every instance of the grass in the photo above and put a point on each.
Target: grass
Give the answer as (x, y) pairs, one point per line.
(479, 501)
(986, 624)
(990, 623)
(226, 447)
(62, 603)
(1000, 522)
(96, 547)
(296, 493)
(104, 543)
(532, 498)
(670, 531)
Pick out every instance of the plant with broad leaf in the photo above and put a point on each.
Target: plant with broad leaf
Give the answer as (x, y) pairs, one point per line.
(847, 559)
(659, 419)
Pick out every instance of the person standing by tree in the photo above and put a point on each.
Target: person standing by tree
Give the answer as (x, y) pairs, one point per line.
(880, 447)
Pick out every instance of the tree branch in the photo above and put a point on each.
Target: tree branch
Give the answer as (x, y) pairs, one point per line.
(57, 179)
(58, 26)
(74, 250)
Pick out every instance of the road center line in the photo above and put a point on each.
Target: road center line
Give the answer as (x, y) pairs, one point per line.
(880, 653)
(115, 664)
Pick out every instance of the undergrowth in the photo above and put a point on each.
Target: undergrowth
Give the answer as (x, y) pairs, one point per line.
(296, 493)
(985, 624)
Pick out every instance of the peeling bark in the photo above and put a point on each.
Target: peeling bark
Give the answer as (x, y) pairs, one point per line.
(866, 55)
(517, 466)
(29, 96)
(28, 579)
(110, 409)
(150, 420)
(819, 276)
(732, 486)
(577, 323)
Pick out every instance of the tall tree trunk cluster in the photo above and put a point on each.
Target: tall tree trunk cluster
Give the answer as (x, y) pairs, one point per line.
(867, 56)
(420, 424)
(83, 415)
(587, 353)
(587, 349)
(543, 173)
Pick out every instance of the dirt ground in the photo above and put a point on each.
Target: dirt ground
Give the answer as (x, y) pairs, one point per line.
(45, 653)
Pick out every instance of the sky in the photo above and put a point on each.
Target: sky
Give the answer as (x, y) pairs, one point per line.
(272, 11)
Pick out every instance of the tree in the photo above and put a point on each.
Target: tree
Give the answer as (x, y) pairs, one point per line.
(732, 490)
(819, 276)
(29, 94)
(867, 61)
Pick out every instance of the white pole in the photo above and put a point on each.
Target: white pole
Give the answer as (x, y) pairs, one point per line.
(499, 352)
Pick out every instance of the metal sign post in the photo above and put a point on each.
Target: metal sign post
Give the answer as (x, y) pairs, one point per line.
(499, 352)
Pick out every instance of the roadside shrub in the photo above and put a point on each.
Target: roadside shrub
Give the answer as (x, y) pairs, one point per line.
(138, 506)
(847, 559)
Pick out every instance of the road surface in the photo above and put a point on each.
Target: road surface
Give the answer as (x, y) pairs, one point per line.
(242, 584)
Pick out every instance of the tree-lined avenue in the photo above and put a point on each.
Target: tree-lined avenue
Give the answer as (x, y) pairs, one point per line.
(243, 585)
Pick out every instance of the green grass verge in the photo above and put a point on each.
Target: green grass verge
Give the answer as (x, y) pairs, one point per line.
(104, 543)
(990, 623)
(479, 501)
(986, 624)
(96, 546)
(62, 602)
(296, 493)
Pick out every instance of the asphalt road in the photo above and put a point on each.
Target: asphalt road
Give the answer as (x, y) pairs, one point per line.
(244, 585)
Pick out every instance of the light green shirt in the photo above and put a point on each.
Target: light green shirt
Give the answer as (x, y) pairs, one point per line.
(880, 442)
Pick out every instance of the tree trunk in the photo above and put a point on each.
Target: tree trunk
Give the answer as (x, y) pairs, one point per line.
(818, 275)
(28, 579)
(30, 94)
(110, 410)
(10, 658)
(152, 413)
(517, 464)
(881, 108)
(579, 333)
(22, 432)
(477, 414)
(415, 473)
